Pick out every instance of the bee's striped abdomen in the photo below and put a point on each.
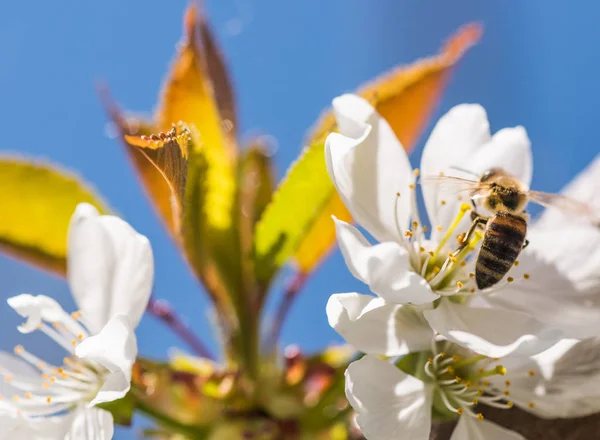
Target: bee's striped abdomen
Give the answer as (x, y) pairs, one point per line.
(502, 242)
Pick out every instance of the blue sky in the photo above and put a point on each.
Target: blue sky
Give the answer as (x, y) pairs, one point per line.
(536, 66)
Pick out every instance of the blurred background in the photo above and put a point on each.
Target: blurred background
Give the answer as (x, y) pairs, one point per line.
(535, 66)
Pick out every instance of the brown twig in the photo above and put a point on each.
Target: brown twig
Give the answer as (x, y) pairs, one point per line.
(163, 311)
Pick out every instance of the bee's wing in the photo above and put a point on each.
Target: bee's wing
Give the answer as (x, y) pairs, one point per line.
(567, 205)
(457, 185)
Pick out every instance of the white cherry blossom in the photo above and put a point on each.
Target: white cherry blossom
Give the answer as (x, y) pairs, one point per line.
(421, 289)
(110, 272)
(390, 404)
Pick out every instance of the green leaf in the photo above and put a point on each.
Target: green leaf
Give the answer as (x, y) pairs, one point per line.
(37, 202)
(297, 203)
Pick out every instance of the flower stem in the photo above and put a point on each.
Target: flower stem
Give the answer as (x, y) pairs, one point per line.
(164, 312)
(292, 289)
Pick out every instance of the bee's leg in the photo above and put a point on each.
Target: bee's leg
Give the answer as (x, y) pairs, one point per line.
(526, 244)
(477, 221)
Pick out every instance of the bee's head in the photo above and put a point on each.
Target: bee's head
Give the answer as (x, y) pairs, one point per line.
(506, 192)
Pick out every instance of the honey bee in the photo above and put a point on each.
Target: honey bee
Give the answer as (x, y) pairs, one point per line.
(505, 229)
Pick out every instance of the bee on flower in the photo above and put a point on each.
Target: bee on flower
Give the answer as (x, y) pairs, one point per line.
(110, 273)
(427, 278)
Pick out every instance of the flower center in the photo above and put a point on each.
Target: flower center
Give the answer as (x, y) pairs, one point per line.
(461, 383)
(448, 268)
(55, 388)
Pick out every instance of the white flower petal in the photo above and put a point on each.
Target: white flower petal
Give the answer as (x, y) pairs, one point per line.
(510, 150)
(115, 348)
(390, 404)
(92, 424)
(385, 267)
(453, 142)
(110, 267)
(563, 288)
(16, 427)
(373, 326)
(491, 332)
(37, 309)
(369, 169)
(566, 382)
(584, 187)
(469, 428)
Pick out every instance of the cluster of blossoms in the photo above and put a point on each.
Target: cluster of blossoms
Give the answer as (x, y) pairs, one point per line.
(448, 345)
(110, 273)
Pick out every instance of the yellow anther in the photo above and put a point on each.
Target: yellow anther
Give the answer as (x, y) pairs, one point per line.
(436, 270)
(475, 401)
(450, 370)
(526, 276)
(472, 291)
(416, 171)
(61, 370)
(53, 379)
(45, 376)
(41, 365)
(509, 404)
(460, 238)
(459, 284)
(425, 228)
(471, 275)
(479, 416)
(486, 383)
(463, 263)
(430, 253)
(441, 173)
(507, 383)
(48, 399)
(443, 354)
(467, 384)
(510, 279)
(408, 233)
(531, 373)
(76, 315)
(28, 395)
(500, 370)
(74, 342)
(443, 202)
(67, 361)
(46, 385)
(19, 349)
(459, 411)
(415, 224)
(430, 361)
(8, 379)
(411, 186)
(457, 379)
(439, 228)
(452, 258)
(80, 336)
(506, 393)
(516, 262)
(421, 249)
(480, 392)
(456, 358)
(531, 405)
(397, 194)
(16, 398)
(464, 207)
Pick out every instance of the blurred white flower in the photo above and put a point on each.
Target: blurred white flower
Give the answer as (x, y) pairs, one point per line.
(390, 404)
(110, 272)
(550, 293)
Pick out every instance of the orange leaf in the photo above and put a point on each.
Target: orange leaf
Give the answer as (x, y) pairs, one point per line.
(406, 98)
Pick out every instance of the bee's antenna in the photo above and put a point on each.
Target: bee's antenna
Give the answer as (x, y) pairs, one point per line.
(465, 171)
